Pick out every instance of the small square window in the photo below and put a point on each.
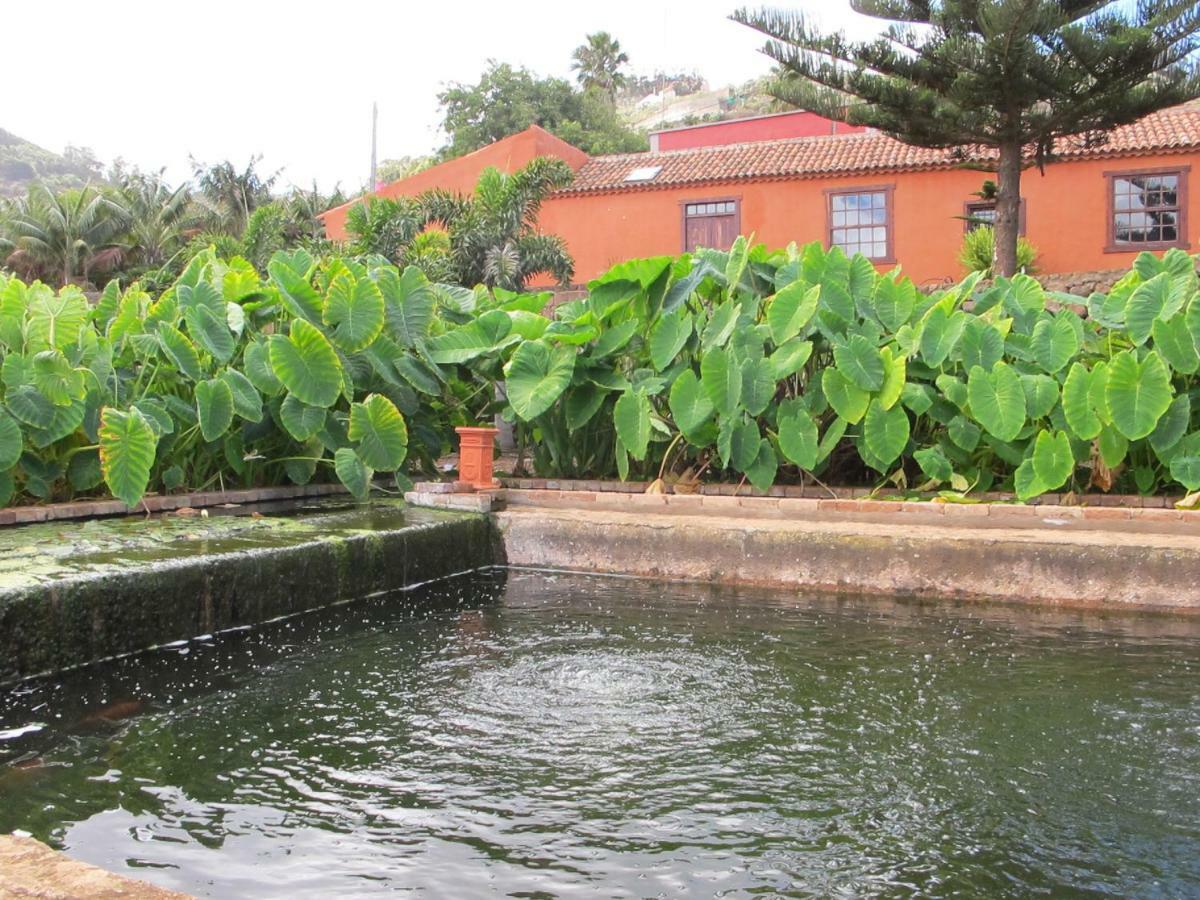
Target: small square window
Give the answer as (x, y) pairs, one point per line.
(859, 223)
(1147, 210)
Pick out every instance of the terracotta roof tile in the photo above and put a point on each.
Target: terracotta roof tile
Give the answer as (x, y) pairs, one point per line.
(1173, 130)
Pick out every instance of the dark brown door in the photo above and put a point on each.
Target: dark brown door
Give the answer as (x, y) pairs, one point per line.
(711, 224)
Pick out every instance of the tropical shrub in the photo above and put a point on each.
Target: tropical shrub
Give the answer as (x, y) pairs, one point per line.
(224, 379)
(979, 248)
(806, 364)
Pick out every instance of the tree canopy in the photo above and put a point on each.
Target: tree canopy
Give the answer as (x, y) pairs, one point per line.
(1014, 75)
(508, 99)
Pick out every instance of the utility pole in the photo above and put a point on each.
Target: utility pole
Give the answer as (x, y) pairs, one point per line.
(374, 133)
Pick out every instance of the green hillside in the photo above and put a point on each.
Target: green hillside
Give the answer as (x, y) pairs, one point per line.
(22, 163)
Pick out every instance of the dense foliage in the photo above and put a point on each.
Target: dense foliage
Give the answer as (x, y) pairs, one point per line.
(804, 363)
(224, 379)
(489, 236)
(792, 365)
(507, 100)
(1014, 75)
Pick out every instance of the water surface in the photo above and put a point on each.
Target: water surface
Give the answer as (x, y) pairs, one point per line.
(545, 735)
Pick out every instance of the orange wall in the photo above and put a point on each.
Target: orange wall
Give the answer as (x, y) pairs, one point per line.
(459, 175)
(1065, 216)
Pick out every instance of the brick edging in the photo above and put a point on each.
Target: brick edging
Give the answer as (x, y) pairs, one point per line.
(93, 509)
(815, 492)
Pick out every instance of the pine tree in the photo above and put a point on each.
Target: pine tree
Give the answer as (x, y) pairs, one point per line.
(1015, 76)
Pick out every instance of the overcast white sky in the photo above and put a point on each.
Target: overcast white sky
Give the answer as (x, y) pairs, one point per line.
(153, 81)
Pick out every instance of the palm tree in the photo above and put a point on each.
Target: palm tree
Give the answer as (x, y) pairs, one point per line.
(598, 63)
(65, 235)
(157, 216)
(231, 196)
(493, 233)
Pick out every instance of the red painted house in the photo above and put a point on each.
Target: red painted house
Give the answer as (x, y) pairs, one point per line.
(1094, 208)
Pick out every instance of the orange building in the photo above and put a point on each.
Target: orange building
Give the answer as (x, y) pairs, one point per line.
(1092, 209)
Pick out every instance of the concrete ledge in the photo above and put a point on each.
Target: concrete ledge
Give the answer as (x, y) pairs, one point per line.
(1019, 558)
(156, 503)
(120, 586)
(30, 869)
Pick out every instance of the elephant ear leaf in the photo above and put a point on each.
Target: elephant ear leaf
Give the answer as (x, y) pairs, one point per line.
(352, 472)
(379, 429)
(306, 364)
(631, 415)
(536, 376)
(355, 310)
(299, 297)
(997, 400)
(214, 407)
(127, 444)
(1137, 393)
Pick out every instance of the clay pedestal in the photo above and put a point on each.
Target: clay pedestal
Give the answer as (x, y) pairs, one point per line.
(475, 457)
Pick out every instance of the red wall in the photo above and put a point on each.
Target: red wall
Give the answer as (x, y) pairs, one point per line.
(1065, 216)
(756, 128)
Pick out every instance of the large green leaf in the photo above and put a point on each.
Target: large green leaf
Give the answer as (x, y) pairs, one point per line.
(791, 309)
(758, 386)
(179, 350)
(1145, 305)
(790, 358)
(247, 402)
(798, 439)
(895, 373)
(1053, 461)
(847, 399)
(257, 364)
(720, 326)
(127, 444)
(491, 332)
(299, 297)
(11, 441)
(762, 471)
(211, 331)
(886, 432)
(582, 403)
(56, 379)
(1137, 393)
(981, 345)
(1077, 403)
(721, 377)
(214, 406)
(997, 400)
(307, 364)
(54, 320)
(631, 415)
(893, 302)
(690, 404)
(667, 338)
(352, 472)
(860, 361)
(1055, 342)
(536, 376)
(940, 334)
(1172, 426)
(379, 429)
(934, 464)
(299, 419)
(354, 309)
(409, 301)
(1174, 341)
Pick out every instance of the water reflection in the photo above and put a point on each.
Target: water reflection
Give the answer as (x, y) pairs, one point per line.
(558, 736)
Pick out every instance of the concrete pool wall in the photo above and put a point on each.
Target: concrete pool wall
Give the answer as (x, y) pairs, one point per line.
(73, 593)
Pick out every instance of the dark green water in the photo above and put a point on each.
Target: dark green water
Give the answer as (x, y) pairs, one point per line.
(563, 736)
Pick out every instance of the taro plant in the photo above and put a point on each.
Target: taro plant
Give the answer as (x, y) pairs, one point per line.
(225, 378)
(806, 364)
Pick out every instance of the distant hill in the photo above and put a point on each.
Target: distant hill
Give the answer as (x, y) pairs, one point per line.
(22, 163)
(688, 100)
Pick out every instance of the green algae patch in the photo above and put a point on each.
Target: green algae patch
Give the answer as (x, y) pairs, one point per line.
(72, 594)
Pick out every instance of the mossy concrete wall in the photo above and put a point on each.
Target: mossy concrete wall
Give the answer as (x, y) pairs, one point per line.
(78, 593)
